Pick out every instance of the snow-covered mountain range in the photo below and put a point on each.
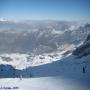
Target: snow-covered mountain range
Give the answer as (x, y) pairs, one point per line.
(37, 37)
(53, 53)
(66, 73)
(31, 43)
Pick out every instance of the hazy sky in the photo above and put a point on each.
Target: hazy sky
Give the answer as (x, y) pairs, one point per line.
(45, 9)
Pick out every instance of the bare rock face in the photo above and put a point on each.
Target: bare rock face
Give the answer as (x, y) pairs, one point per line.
(84, 49)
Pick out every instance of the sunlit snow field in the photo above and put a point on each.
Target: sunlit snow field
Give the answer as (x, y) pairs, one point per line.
(65, 74)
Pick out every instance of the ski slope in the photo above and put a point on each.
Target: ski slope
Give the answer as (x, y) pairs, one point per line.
(45, 83)
(65, 74)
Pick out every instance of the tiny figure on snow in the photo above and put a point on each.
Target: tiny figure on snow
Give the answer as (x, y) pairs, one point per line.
(20, 77)
(84, 69)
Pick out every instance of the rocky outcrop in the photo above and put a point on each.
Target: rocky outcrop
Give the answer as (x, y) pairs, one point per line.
(84, 49)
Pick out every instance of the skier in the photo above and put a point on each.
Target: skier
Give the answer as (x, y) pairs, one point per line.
(20, 77)
(84, 69)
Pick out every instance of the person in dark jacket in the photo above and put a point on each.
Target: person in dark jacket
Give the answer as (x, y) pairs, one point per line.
(84, 69)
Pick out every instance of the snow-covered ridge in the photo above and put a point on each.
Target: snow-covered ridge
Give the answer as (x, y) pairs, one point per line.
(21, 61)
(84, 49)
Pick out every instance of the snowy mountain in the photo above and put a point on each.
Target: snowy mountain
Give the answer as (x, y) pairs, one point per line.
(84, 49)
(64, 74)
(49, 64)
(8, 71)
(39, 37)
(60, 71)
(22, 61)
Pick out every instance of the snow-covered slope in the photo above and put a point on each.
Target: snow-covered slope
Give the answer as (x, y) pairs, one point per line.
(54, 70)
(84, 49)
(22, 61)
(65, 74)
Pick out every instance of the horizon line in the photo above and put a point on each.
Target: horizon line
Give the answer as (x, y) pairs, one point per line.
(6, 19)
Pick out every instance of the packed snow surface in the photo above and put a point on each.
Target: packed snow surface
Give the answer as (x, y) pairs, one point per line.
(64, 74)
(45, 83)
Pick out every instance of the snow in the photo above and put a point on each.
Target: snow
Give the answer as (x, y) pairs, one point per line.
(58, 70)
(46, 83)
(73, 27)
(17, 60)
(21, 61)
(64, 74)
(84, 49)
(70, 77)
(57, 32)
